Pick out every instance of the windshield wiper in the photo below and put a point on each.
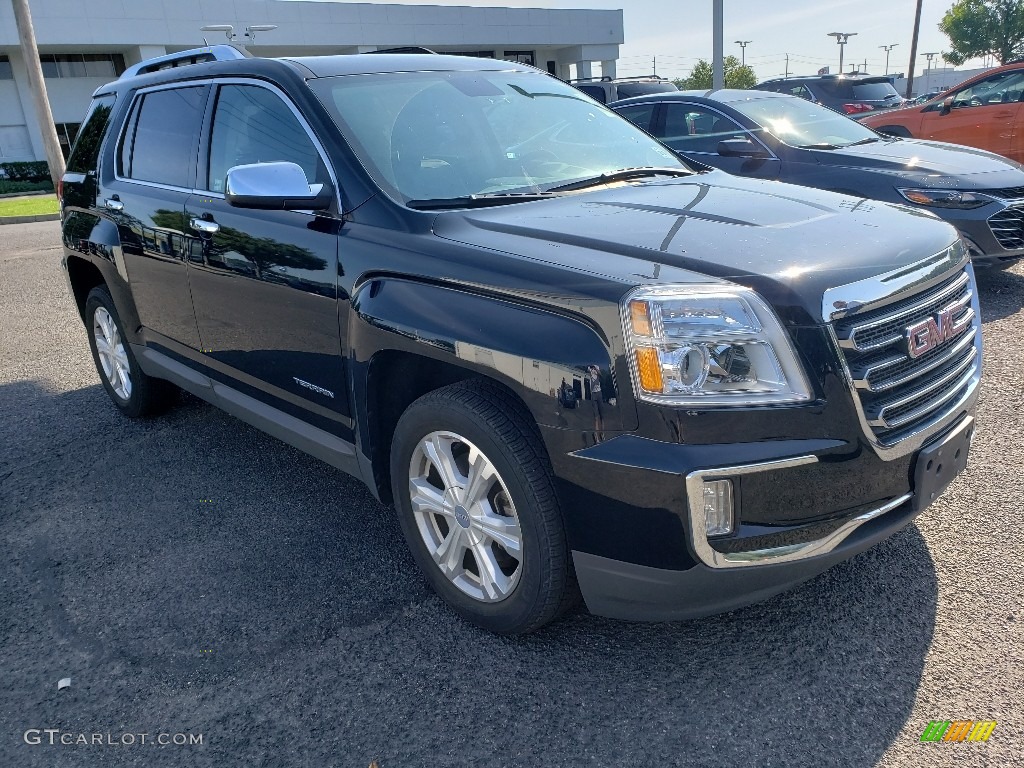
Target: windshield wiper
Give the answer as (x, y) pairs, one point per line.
(623, 174)
(868, 140)
(817, 146)
(478, 201)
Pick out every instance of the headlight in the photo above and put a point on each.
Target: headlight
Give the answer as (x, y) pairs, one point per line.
(945, 198)
(709, 345)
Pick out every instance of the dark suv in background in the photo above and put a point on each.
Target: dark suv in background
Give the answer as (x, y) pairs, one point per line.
(606, 89)
(849, 94)
(573, 363)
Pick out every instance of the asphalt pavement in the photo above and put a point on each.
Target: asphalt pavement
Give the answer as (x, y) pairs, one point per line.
(196, 578)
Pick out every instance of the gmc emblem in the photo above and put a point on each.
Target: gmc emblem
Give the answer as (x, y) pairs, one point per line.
(939, 328)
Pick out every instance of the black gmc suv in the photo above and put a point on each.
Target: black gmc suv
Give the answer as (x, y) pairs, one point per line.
(573, 363)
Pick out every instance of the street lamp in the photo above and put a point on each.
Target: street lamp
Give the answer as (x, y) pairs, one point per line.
(887, 48)
(841, 39)
(930, 56)
(743, 51)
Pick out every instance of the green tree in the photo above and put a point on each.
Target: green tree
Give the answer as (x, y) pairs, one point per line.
(977, 28)
(736, 75)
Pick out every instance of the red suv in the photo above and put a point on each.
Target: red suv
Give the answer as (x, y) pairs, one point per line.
(984, 112)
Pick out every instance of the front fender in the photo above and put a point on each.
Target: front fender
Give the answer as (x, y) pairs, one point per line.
(561, 366)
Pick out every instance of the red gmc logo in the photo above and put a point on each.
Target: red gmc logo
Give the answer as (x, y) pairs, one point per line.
(939, 328)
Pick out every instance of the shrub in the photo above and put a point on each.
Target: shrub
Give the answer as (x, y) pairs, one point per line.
(13, 187)
(30, 171)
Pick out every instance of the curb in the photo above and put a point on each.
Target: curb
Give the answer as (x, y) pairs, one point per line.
(29, 219)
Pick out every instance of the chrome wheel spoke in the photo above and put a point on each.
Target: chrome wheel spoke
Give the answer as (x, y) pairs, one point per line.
(504, 531)
(111, 353)
(493, 580)
(425, 498)
(450, 554)
(480, 480)
(439, 451)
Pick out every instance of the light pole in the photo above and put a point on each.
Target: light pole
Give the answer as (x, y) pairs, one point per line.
(887, 48)
(743, 51)
(930, 56)
(841, 39)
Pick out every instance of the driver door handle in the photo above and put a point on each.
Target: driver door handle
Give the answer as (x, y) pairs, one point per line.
(205, 226)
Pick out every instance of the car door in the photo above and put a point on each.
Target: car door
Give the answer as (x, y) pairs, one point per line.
(983, 115)
(264, 283)
(155, 163)
(696, 130)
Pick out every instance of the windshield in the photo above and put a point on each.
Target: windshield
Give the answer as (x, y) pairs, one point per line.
(802, 123)
(445, 135)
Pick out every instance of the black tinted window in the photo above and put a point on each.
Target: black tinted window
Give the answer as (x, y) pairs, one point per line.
(90, 136)
(627, 90)
(692, 128)
(594, 92)
(253, 125)
(874, 91)
(639, 114)
(162, 147)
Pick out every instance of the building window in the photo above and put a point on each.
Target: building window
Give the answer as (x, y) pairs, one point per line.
(109, 65)
(66, 133)
(5, 69)
(476, 54)
(520, 57)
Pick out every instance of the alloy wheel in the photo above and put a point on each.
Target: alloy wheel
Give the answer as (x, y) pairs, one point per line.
(111, 352)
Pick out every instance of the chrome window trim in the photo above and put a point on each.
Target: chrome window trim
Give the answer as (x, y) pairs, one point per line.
(788, 553)
(213, 81)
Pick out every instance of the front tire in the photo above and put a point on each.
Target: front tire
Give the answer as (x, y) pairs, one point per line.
(131, 390)
(476, 501)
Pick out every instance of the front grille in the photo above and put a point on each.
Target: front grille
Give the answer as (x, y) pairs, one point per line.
(898, 393)
(1008, 228)
(1006, 193)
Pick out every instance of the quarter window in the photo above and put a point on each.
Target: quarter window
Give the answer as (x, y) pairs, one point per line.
(692, 128)
(87, 143)
(253, 125)
(160, 146)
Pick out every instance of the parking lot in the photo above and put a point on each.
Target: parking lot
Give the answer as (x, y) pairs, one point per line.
(194, 576)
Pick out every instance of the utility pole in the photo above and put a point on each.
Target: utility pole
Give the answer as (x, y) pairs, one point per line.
(841, 38)
(930, 56)
(654, 65)
(718, 24)
(913, 50)
(887, 48)
(787, 66)
(743, 51)
(36, 83)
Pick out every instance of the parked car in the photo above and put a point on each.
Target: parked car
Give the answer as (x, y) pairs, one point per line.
(849, 94)
(607, 89)
(571, 362)
(985, 111)
(923, 98)
(771, 136)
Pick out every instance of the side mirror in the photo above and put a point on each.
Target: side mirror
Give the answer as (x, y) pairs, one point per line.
(741, 148)
(947, 106)
(275, 187)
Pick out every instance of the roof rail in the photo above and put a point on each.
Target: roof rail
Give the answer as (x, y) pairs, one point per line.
(405, 49)
(184, 58)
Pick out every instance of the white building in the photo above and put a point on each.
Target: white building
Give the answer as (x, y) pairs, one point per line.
(86, 43)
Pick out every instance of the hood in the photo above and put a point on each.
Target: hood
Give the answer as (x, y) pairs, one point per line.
(929, 163)
(788, 243)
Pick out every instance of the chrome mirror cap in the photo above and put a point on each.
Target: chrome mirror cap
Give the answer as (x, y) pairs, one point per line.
(274, 186)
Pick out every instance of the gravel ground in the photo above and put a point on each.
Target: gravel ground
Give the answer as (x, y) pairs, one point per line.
(194, 576)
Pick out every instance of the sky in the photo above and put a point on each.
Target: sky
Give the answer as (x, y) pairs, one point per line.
(678, 32)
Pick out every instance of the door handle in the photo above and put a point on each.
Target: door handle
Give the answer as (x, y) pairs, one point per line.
(204, 226)
(113, 204)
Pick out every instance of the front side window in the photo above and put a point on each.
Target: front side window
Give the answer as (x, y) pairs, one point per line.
(1003, 88)
(160, 145)
(253, 125)
(802, 123)
(692, 128)
(444, 135)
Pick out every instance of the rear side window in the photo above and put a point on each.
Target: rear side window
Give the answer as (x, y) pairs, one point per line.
(160, 143)
(87, 145)
(628, 90)
(640, 115)
(594, 92)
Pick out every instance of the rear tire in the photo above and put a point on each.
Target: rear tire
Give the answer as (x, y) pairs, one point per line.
(131, 390)
(476, 500)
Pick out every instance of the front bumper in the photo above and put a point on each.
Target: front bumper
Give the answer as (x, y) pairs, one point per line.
(622, 590)
(976, 228)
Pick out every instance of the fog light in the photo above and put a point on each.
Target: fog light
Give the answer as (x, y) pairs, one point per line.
(718, 515)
